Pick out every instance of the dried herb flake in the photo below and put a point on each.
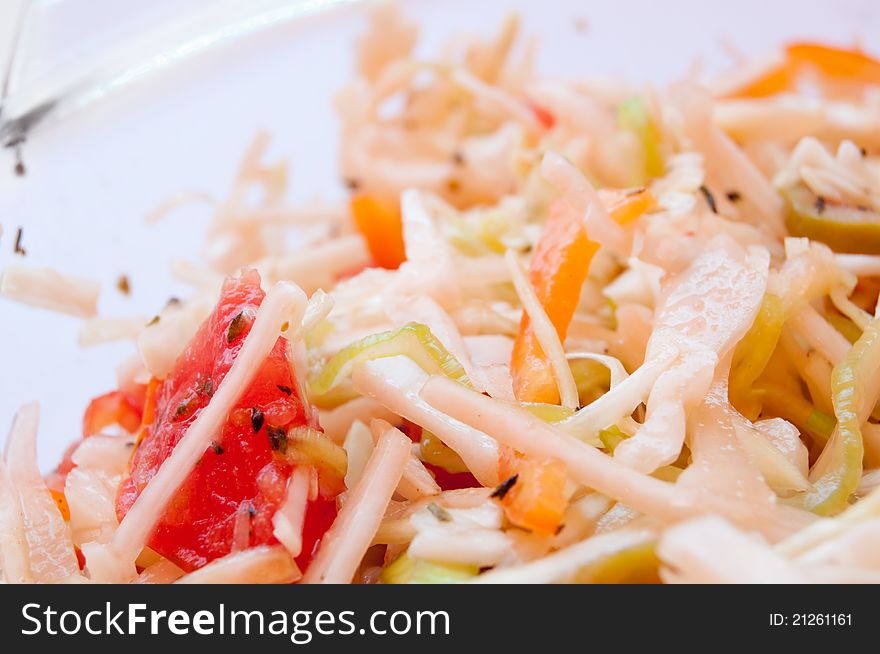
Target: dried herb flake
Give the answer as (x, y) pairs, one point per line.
(710, 199)
(439, 512)
(19, 248)
(277, 438)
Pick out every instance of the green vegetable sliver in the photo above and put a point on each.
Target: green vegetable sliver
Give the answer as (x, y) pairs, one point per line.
(633, 115)
(843, 229)
(437, 453)
(548, 412)
(755, 349)
(413, 340)
(855, 387)
(611, 437)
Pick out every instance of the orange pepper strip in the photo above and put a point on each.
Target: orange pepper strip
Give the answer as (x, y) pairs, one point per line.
(382, 229)
(537, 501)
(836, 63)
(832, 63)
(61, 502)
(558, 271)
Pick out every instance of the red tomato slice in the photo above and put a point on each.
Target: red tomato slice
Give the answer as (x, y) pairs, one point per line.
(123, 408)
(114, 408)
(230, 497)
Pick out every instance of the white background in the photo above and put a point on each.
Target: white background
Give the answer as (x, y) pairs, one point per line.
(93, 176)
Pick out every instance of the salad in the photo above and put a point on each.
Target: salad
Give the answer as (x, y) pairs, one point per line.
(561, 331)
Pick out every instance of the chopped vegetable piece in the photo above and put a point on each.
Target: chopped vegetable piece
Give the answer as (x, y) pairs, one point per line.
(382, 229)
(558, 270)
(544, 116)
(611, 437)
(61, 503)
(843, 229)
(633, 116)
(437, 453)
(593, 379)
(407, 570)
(637, 564)
(548, 412)
(794, 408)
(836, 64)
(199, 525)
(114, 408)
(413, 340)
(855, 389)
(307, 446)
(845, 326)
(538, 499)
(753, 353)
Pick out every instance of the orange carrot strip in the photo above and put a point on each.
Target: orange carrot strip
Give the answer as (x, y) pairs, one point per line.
(832, 63)
(382, 229)
(537, 501)
(836, 63)
(558, 271)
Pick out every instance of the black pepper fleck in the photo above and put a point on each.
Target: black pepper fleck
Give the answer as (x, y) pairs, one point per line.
(19, 248)
(504, 487)
(257, 419)
(710, 199)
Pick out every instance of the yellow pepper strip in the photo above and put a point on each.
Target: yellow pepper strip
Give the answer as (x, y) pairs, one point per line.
(637, 564)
